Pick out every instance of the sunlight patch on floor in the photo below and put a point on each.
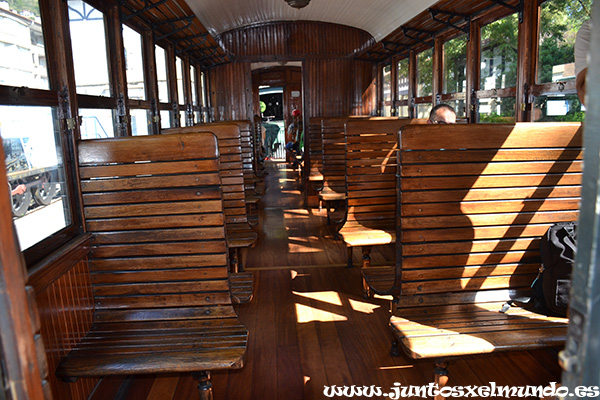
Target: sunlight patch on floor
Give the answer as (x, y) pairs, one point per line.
(363, 307)
(397, 367)
(329, 297)
(298, 244)
(306, 314)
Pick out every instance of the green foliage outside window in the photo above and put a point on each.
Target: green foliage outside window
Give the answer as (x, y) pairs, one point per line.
(424, 73)
(25, 5)
(560, 21)
(499, 53)
(455, 65)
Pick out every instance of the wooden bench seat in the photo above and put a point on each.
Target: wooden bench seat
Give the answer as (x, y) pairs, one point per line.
(314, 161)
(474, 202)
(333, 192)
(466, 329)
(371, 157)
(240, 235)
(158, 262)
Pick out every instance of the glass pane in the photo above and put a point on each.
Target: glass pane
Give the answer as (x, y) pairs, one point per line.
(161, 73)
(499, 53)
(88, 39)
(387, 83)
(455, 65)
(165, 119)
(403, 79)
(96, 123)
(35, 169)
(203, 90)
(402, 111)
(560, 21)
(193, 81)
(22, 53)
(134, 63)
(182, 119)
(387, 111)
(424, 73)
(423, 110)
(179, 67)
(558, 108)
(139, 122)
(497, 110)
(459, 107)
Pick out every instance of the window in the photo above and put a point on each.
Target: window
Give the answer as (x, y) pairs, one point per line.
(204, 102)
(134, 63)
(96, 123)
(30, 131)
(424, 73)
(161, 72)
(195, 113)
(36, 173)
(88, 39)
(559, 23)
(139, 122)
(402, 89)
(387, 90)
(22, 56)
(180, 91)
(499, 54)
(558, 107)
(423, 110)
(497, 110)
(455, 65)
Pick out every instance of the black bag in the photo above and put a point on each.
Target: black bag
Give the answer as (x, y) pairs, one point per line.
(550, 290)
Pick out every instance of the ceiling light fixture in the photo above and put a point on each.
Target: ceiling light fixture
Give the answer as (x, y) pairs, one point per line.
(298, 3)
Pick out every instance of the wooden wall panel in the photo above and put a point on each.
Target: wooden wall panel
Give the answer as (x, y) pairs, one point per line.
(327, 87)
(231, 91)
(364, 86)
(294, 41)
(65, 309)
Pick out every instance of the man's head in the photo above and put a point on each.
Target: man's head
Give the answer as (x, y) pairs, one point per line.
(442, 114)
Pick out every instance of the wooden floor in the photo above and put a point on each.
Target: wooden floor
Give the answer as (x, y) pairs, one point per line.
(310, 326)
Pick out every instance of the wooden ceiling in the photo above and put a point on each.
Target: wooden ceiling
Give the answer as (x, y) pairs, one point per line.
(174, 21)
(396, 26)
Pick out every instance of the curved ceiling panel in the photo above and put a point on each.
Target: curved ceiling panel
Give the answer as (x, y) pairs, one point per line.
(377, 17)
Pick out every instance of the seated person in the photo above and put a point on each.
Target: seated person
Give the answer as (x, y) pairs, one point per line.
(294, 135)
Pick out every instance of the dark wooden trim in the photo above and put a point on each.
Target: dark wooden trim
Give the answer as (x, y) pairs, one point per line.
(567, 87)
(23, 96)
(59, 262)
(473, 71)
(526, 61)
(506, 92)
(20, 363)
(87, 101)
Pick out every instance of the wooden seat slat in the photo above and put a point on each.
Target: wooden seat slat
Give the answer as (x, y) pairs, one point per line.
(179, 261)
(152, 222)
(492, 194)
(451, 156)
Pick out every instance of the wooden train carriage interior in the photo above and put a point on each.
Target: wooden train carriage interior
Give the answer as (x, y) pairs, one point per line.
(166, 235)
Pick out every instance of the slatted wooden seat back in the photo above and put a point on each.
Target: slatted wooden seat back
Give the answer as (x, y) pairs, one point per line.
(474, 207)
(159, 261)
(239, 233)
(371, 157)
(334, 154)
(315, 160)
(474, 202)
(257, 147)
